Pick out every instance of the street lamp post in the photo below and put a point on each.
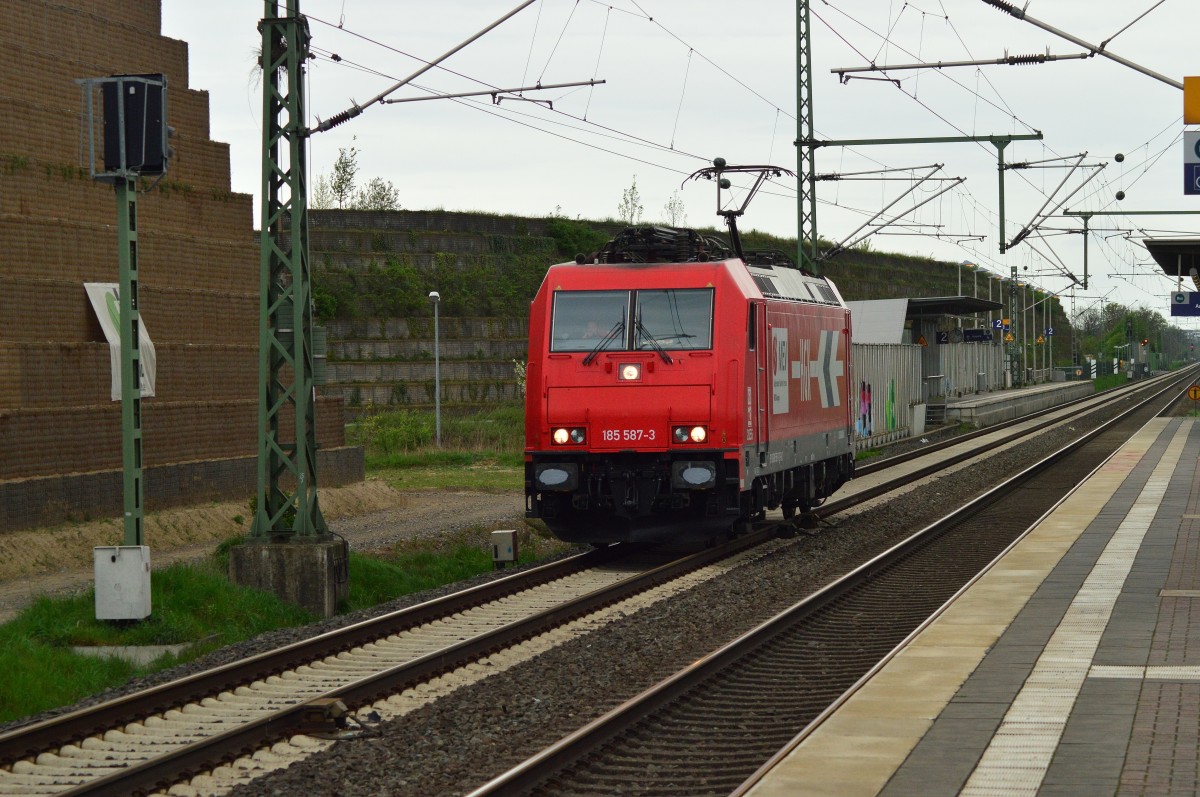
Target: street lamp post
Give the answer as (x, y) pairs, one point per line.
(435, 298)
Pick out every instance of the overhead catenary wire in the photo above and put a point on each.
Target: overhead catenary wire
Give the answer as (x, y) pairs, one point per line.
(963, 198)
(357, 109)
(599, 52)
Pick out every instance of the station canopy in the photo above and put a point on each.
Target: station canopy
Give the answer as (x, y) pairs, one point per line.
(883, 320)
(950, 305)
(1178, 257)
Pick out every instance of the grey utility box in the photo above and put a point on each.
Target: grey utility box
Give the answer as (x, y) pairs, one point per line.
(504, 547)
(122, 582)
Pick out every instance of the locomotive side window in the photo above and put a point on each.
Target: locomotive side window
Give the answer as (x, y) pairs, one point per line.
(674, 320)
(581, 320)
(753, 326)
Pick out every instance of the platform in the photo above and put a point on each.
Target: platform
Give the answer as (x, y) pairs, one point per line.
(987, 409)
(1071, 667)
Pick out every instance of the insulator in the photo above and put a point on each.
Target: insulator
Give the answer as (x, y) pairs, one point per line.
(1018, 60)
(1006, 7)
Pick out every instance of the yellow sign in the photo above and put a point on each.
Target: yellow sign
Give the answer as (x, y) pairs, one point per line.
(1007, 322)
(1194, 392)
(1041, 339)
(1191, 100)
(1008, 337)
(922, 342)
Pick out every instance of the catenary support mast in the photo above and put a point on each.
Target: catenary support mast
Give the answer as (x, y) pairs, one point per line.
(806, 155)
(287, 468)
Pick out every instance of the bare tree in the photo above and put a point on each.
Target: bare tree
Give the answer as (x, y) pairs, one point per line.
(322, 194)
(630, 209)
(676, 212)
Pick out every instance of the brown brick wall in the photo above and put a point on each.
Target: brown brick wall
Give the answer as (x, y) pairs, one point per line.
(40, 374)
(198, 272)
(42, 248)
(79, 496)
(46, 441)
(32, 189)
(59, 310)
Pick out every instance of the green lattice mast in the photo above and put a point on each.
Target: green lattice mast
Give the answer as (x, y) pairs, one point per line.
(806, 154)
(287, 468)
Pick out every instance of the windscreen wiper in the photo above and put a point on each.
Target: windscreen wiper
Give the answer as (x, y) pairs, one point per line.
(654, 344)
(617, 329)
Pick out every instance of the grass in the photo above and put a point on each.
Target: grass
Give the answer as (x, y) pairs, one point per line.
(416, 565)
(1112, 380)
(481, 451)
(197, 602)
(190, 603)
(482, 471)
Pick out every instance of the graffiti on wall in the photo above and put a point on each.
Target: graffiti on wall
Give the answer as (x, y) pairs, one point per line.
(865, 425)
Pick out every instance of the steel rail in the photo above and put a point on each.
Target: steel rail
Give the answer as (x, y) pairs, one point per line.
(842, 504)
(29, 740)
(1025, 475)
(1111, 394)
(164, 770)
(596, 733)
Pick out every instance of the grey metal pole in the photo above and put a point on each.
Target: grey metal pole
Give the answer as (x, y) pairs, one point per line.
(131, 381)
(436, 298)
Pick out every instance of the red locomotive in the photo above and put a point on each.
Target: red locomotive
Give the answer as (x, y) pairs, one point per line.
(676, 389)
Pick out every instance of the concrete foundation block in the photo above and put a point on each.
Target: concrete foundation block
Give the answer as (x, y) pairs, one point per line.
(313, 575)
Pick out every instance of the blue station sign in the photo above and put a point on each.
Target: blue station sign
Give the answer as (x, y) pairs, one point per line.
(1191, 163)
(1185, 303)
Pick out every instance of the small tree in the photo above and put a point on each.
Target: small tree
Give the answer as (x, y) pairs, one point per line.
(630, 209)
(339, 191)
(676, 213)
(379, 194)
(322, 194)
(341, 184)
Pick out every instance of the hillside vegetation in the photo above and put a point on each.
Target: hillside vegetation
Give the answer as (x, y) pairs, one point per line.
(373, 271)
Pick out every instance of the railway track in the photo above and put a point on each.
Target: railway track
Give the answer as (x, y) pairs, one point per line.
(151, 739)
(708, 729)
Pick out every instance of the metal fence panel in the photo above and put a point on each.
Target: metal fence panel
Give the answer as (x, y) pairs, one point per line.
(885, 385)
(962, 363)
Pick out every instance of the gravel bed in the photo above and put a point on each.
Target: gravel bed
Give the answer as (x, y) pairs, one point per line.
(464, 739)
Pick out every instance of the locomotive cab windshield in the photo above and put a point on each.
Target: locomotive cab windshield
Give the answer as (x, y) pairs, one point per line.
(673, 319)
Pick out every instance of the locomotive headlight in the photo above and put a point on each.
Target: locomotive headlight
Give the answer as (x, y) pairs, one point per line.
(689, 434)
(630, 372)
(563, 436)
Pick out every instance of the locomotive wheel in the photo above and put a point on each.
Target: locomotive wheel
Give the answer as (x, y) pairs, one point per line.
(789, 510)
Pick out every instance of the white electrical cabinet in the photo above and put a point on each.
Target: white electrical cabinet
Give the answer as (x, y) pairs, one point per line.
(122, 582)
(504, 547)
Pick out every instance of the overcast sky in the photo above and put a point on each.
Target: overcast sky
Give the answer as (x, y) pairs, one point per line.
(689, 81)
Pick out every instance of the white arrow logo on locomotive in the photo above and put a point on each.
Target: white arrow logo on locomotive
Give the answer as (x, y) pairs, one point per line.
(826, 368)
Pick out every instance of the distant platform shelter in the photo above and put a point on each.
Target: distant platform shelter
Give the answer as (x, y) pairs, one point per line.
(960, 352)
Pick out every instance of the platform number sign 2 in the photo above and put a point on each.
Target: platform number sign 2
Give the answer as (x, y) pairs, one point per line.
(1191, 162)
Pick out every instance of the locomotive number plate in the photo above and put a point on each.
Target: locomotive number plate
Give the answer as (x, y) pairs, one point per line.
(627, 435)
